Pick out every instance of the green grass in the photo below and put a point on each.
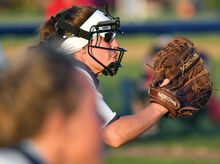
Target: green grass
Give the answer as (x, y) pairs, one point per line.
(155, 160)
(215, 74)
(21, 16)
(188, 141)
(112, 86)
(15, 40)
(164, 151)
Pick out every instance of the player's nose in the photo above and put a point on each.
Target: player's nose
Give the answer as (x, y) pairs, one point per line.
(114, 44)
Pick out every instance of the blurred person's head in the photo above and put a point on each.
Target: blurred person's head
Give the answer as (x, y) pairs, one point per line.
(206, 59)
(185, 9)
(3, 62)
(88, 34)
(43, 98)
(148, 59)
(159, 43)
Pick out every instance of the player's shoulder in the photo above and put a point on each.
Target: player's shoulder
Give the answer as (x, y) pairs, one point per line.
(12, 156)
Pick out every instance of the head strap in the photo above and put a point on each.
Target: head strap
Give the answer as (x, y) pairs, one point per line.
(77, 32)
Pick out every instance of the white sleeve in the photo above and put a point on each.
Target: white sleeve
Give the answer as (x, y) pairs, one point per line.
(104, 110)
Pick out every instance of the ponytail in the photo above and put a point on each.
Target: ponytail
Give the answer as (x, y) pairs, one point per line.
(47, 30)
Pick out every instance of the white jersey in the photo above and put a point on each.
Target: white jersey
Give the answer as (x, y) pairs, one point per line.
(103, 109)
(24, 153)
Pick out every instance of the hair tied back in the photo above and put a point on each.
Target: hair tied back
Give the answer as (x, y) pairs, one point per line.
(53, 19)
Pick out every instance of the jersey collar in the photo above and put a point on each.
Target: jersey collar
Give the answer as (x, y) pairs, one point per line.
(89, 71)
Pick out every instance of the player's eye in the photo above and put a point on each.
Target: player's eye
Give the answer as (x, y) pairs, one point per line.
(109, 36)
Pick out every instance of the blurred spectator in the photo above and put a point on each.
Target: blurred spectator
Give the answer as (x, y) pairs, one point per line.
(213, 106)
(136, 92)
(126, 10)
(42, 116)
(3, 62)
(4, 4)
(185, 9)
(140, 98)
(55, 5)
(214, 109)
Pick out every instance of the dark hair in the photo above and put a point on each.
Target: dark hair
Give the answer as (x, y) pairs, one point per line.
(41, 81)
(75, 16)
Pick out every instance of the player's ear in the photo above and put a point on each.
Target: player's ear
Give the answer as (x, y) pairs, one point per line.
(84, 50)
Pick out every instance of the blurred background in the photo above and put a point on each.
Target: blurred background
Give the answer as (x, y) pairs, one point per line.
(148, 25)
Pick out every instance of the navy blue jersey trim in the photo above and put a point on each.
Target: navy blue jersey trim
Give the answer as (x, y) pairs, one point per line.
(114, 119)
(28, 156)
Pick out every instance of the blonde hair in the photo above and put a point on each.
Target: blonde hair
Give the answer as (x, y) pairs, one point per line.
(33, 87)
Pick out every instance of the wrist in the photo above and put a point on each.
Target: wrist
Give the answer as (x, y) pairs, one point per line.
(159, 108)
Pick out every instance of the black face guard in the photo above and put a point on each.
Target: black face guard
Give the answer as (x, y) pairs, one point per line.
(108, 28)
(113, 67)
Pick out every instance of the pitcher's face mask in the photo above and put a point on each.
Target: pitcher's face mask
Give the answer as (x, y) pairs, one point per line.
(98, 24)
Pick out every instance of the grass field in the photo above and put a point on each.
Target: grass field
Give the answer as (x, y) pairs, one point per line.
(158, 160)
(183, 150)
(193, 149)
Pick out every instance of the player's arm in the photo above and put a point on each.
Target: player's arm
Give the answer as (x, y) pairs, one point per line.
(129, 127)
